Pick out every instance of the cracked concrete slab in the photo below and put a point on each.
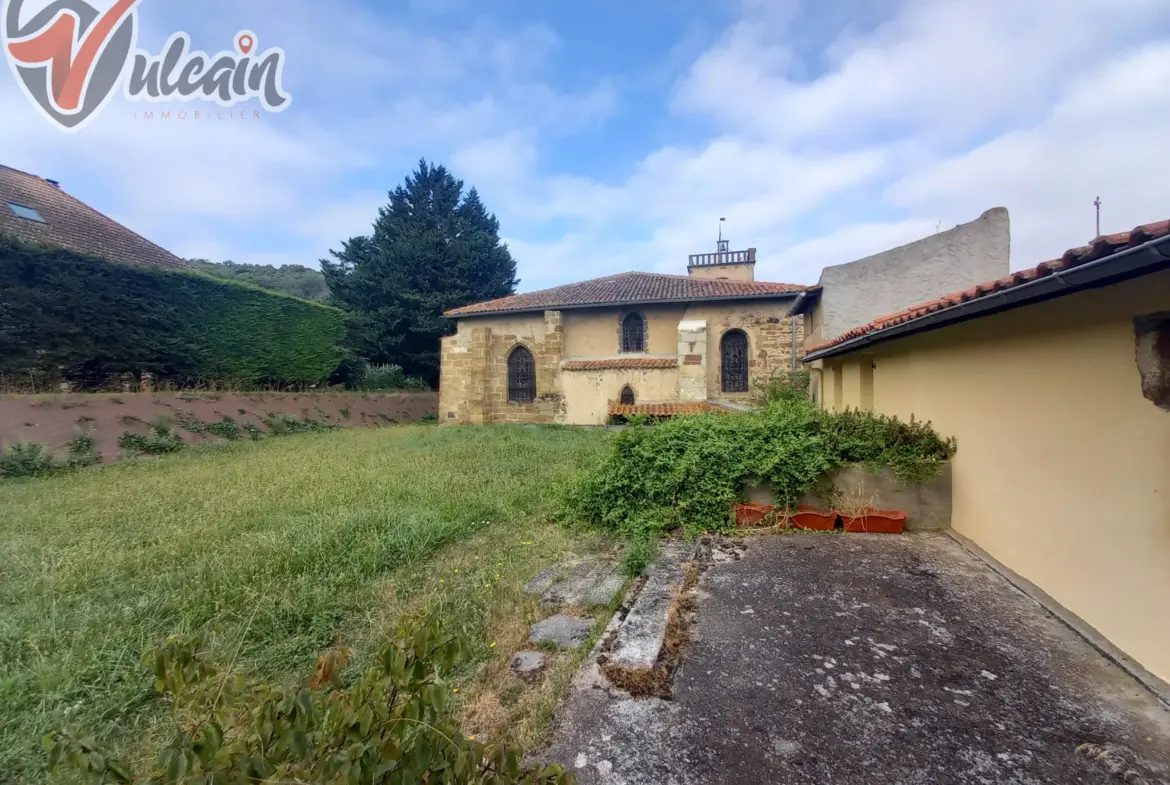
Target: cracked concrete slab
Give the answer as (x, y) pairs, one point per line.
(589, 581)
(565, 632)
(869, 658)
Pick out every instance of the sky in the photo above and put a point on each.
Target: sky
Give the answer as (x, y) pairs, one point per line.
(610, 136)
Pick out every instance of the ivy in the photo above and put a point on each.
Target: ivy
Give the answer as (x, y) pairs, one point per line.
(687, 472)
(81, 318)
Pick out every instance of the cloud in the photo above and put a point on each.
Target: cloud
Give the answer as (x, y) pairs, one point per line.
(823, 132)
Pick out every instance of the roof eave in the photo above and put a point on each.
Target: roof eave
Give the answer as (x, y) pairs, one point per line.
(1130, 263)
(625, 303)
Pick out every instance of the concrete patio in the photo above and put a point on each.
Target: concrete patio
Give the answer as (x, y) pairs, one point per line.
(869, 658)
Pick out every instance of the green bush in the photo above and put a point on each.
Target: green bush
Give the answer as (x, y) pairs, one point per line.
(80, 318)
(393, 724)
(687, 472)
(26, 459)
(161, 439)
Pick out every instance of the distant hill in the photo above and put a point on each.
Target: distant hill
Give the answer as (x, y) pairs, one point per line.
(294, 279)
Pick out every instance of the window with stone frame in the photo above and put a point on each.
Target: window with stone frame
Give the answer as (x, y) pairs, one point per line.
(521, 376)
(627, 396)
(633, 333)
(734, 362)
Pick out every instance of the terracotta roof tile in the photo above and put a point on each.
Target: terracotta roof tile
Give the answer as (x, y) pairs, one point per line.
(663, 409)
(1100, 248)
(620, 362)
(629, 289)
(72, 224)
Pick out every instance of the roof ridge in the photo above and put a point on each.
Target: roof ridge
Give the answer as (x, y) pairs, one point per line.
(96, 211)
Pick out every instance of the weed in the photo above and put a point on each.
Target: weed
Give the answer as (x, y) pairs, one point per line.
(27, 459)
(83, 450)
(320, 731)
(344, 410)
(254, 433)
(224, 429)
(161, 440)
(639, 554)
(283, 424)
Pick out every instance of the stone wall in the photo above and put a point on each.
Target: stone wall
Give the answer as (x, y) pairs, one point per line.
(474, 377)
(473, 385)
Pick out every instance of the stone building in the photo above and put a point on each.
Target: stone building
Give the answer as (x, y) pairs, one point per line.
(632, 343)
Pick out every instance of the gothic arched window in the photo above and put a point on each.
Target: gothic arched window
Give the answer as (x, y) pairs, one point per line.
(521, 376)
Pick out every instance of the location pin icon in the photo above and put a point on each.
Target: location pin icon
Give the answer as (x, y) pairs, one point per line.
(245, 42)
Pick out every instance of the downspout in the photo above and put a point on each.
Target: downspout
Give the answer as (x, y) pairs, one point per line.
(793, 344)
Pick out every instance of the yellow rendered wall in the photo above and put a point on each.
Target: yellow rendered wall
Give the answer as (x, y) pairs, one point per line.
(589, 393)
(594, 332)
(1063, 468)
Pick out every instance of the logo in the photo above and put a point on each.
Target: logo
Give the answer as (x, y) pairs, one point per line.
(70, 58)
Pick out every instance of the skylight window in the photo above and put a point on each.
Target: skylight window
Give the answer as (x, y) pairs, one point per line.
(27, 213)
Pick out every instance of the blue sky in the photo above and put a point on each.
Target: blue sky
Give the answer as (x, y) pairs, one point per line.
(611, 136)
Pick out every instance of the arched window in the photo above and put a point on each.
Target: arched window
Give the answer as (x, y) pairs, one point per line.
(735, 362)
(627, 396)
(633, 333)
(521, 376)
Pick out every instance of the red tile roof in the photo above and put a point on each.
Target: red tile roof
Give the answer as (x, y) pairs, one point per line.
(72, 224)
(1103, 246)
(621, 362)
(629, 289)
(663, 409)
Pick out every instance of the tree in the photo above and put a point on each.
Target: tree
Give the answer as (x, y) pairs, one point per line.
(432, 249)
(294, 279)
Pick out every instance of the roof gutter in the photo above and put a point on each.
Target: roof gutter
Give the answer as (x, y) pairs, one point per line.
(1123, 265)
(805, 302)
(627, 303)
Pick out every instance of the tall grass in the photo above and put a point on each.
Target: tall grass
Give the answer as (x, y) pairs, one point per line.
(292, 541)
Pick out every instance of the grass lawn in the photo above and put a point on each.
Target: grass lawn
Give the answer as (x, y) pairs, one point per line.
(282, 547)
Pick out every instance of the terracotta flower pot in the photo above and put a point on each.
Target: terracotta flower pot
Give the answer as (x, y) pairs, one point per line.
(876, 522)
(810, 518)
(748, 514)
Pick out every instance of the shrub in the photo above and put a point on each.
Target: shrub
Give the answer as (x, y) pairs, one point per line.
(393, 724)
(26, 459)
(687, 472)
(161, 439)
(82, 451)
(85, 319)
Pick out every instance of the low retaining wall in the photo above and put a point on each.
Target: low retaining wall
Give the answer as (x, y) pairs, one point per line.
(927, 506)
(53, 420)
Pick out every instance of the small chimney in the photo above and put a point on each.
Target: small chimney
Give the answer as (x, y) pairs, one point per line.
(724, 264)
(54, 183)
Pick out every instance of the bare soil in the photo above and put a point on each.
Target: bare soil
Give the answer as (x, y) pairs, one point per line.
(53, 420)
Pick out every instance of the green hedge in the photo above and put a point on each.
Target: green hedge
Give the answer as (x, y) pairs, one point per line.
(85, 319)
